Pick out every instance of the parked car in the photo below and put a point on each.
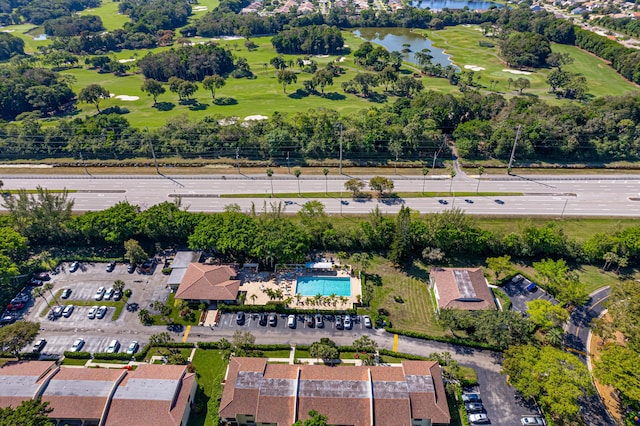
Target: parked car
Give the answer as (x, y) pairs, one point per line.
(471, 397)
(532, 421)
(478, 418)
(117, 295)
(74, 267)
(42, 276)
(114, 347)
(532, 288)
(240, 318)
(92, 312)
(474, 407)
(34, 282)
(133, 347)
(68, 310)
(517, 279)
(111, 266)
(311, 322)
(15, 306)
(339, 324)
(39, 345)
(263, 319)
(291, 321)
(109, 293)
(273, 320)
(347, 322)
(319, 321)
(21, 298)
(147, 266)
(77, 345)
(102, 311)
(367, 321)
(57, 311)
(131, 268)
(99, 293)
(65, 293)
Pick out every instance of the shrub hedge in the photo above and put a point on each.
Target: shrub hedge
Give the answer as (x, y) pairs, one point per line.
(282, 309)
(445, 339)
(120, 356)
(77, 355)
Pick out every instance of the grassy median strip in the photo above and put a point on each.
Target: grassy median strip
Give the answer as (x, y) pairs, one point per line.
(119, 305)
(395, 195)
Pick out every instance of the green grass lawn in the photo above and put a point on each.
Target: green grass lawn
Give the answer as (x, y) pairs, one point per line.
(160, 351)
(108, 12)
(175, 317)
(71, 361)
(30, 45)
(210, 370)
(276, 354)
(416, 313)
(461, 42)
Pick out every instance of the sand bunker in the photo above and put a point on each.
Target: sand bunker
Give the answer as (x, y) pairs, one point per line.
(8, 31)
(199, 8)
(517, 72)
(474, 68)
(341, 59)
(255, 118)
(228, 38)
(127, 98)
(124, 61)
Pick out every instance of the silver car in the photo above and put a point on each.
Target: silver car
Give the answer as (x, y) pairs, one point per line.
(77, 345)
(532, 421)
(102, 311)
(92, 312)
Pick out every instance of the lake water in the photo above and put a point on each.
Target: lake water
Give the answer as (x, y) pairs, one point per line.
(452, 4)
(394, 39)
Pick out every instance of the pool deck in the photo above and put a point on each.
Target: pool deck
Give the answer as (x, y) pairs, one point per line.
(257, 286)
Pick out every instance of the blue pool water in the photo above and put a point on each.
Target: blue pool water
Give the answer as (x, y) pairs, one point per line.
(326, 286)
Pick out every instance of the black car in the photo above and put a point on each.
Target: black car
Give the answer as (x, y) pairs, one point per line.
(240, 318)
(319, 321)
(111, 266)
(263, 319)
(443, 202)
(132, 268)
(311, 322)
(499, 202)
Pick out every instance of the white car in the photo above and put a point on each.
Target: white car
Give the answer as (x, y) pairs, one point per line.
(291, 321)
(133, 347)
(347, 322)
(92, 312)
(58, 310)
(114, 347)
(99, 293)
(476, 419)
(109, 293)
(367, 321)
(77, 345)
(532, 421)
(68, 310)
(37, 347)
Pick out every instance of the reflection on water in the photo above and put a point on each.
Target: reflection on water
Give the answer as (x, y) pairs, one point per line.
(453, 4)
(395, 39)
(40, 37)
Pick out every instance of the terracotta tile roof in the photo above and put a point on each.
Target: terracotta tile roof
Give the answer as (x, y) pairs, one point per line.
(208, 282)
(461, 288)
(344, 393)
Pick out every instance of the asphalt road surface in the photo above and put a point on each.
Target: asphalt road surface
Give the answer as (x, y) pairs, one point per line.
(550, 196)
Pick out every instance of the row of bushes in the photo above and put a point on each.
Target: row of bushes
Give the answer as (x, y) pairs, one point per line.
(118, 356)
(283, 309)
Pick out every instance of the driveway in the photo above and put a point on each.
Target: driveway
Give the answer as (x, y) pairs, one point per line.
(520, 296)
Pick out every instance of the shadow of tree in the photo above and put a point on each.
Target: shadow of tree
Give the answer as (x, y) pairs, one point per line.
(223, 101)
(377, 98)
(165, 106)
(198, 107)
(298, 94)
(335, 96)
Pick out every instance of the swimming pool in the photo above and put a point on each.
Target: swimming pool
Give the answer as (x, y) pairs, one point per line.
(326, 286)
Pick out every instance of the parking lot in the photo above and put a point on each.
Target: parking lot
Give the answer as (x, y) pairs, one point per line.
(520, 296)
(60, 332)
(252, 322)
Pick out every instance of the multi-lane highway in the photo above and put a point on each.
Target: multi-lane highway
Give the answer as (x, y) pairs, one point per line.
(553, 196)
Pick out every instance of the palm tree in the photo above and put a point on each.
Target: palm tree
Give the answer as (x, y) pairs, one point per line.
(452, 174)
(480, 173)
(48, 287)
(325, 172)
(270, 175)
(39, 292)
(297, 173)
(425, 172)
(344, 300)
(609, 258)
(623, 262)
(298, 297)
(253, 298)
(555, 336)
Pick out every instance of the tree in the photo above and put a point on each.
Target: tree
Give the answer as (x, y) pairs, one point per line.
(153, 88)
(134, 252)
(366, 81)
(545, 314)
(624, 308)
(322, 78)
(602, 328)
(556, 379)
(30, 412)
(325, 172)
(561, 282)
(559, 60)
(14, 337)
(187, 89)
(286, 77)
(500, 265)
(145, 317)
(365, 344)
(213, 82)
(93, 94)
(242, 339)
(297, 172)
(354, 185)
(278, 63)
(452, 174)
(401, 247)
(381, 184)
(522, 83)
(424, 57)
(315, 419)
(160, 339)
(619, 366)
(555, 336)
(558, 79)
(118, 285)
(40, 217)
(270, 176)
(323, 351)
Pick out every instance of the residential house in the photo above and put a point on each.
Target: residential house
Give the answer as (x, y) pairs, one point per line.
(210, 284)
(461, 288)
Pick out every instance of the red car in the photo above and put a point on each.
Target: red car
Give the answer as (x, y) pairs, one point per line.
(15, 306)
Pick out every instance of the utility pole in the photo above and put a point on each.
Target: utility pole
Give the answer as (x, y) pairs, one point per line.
(237, 159)
(513, 151)
(340, 148)
(566, 200)
(435, 155)
(84, 164)
(153, 153)
(288, 166)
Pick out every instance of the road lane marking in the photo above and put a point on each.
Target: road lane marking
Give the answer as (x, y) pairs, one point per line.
(186, 334)
(395, 343)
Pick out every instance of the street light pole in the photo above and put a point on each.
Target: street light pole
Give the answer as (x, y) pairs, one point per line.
(341, 148)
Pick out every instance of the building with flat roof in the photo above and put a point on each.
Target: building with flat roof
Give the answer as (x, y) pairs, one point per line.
(257, 393)
(461, 288)
(153, 395)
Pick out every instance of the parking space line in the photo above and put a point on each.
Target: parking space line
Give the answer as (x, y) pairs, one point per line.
(186, 333)
(395, 343)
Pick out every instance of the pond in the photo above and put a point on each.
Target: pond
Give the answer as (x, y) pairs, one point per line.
(453, 4)
(395, 39)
